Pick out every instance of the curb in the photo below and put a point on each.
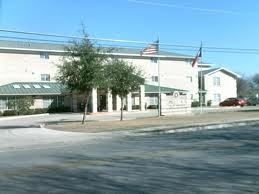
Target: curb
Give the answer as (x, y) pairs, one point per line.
(197, 127)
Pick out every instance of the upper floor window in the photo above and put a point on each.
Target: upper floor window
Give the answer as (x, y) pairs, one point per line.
(216, 81)
(154, 78)
(153, 59)
(45, 77)
(189, 78)
(44, 55)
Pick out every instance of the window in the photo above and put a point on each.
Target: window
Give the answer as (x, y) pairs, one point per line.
(26, 86)
(154, 78)
(3, 103)
(53, 101)
(153, 59)
(36, 86)
(44, 55)
(216, 81)
(45, 86)
(217, 98)
(45, 77)
(153, 100)
(47, 102)
(16, 86)
(189, 78)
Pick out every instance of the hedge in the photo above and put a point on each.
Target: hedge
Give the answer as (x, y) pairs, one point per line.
(10, 113)
(59, 109)
(152, 107)
(134, 107)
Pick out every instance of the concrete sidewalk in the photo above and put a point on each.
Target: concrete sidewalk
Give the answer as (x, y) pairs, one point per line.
(236, 116)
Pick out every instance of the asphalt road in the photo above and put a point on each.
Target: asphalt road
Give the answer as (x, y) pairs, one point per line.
(210, 161)
(35, 160)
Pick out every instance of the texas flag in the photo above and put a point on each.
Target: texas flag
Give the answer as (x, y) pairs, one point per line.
(199, 54)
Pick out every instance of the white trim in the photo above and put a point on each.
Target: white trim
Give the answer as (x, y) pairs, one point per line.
(224, 69)
(28, 49)
(146, 56)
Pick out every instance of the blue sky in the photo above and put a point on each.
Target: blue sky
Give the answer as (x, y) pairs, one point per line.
(221, 23)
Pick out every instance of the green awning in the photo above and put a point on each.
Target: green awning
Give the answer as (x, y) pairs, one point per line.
(31, 88)
(154, 89)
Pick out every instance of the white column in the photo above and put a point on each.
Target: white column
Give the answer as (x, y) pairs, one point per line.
(142, 98)
(164, 106)
(129, 102)
(109, 101)
(118, 103)
(94, 100)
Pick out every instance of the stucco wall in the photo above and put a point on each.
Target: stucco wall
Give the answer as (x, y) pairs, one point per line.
(227, 88)
(173, 74)
(26, 67)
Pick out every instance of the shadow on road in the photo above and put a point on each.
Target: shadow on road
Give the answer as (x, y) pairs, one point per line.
(19, 126)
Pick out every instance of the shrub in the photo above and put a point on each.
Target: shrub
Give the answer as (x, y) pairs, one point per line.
(209, 103)
(27, 112)
(152, 107)
(21, 104)
(135, 107)
(40, 110)
(195, 104)
(10, 113)
(58, 109)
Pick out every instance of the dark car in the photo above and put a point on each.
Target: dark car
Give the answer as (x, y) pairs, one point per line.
(233, 102)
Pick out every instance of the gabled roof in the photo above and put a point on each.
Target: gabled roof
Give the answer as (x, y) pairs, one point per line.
(214, 70)
(154, 89)
(31, 88)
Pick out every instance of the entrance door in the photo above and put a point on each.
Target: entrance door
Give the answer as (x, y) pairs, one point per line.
(102, 102)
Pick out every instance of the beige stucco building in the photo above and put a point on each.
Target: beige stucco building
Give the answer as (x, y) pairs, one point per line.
(29, 68)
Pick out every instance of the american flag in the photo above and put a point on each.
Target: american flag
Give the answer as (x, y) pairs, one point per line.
(151, 49)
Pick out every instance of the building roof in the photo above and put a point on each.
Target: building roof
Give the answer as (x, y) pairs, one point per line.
(214, 70)
(31, 88)
(154, 89)
(30, 46)
(55, 88)
(10, 45)
(136, 52)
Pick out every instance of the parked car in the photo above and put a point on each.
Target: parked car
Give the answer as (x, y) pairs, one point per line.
(252, 101)
(233, 102)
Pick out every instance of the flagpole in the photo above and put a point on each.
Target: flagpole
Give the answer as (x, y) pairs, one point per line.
(159, 89)
(201, 87)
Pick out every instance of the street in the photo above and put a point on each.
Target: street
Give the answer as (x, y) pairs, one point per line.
(211, 161)
(38, 160)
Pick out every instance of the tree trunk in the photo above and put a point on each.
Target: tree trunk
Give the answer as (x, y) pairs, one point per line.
(88, 94)
(121, 108)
